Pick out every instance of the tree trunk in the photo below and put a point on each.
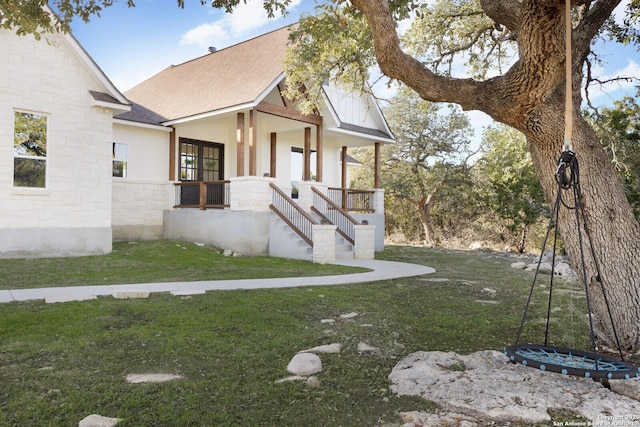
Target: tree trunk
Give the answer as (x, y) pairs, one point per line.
(424, 210)
(424, 206)
(523, 239)
(614, 230)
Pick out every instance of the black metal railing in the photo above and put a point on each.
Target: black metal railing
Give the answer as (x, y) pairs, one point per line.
(330, 211)
(202, 194)
(292, 214)
(352, 200)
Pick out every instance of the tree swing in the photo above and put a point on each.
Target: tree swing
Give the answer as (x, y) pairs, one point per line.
(589, 364)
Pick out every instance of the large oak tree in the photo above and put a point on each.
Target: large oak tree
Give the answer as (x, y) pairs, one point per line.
(527, 95)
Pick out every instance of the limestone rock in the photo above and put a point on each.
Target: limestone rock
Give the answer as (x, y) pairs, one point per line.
(152, 378)
(327, 348)
(130, 294)
(519, 265)
(305, 364)
(313, 382)
(188, 292)
(629, 388)
(422, 419)
(486, 386)
(565, 270)
(349, 315)
(291, 378)
(95, 420)
(364, 347)
(69, 298)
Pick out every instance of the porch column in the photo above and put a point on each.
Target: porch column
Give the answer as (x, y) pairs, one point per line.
(253, 149)
(319, 147)
(376, 169)
(172, 155)
(344, 184)
(343, 160)
(306, 175)
(272, 166)
(240, 145)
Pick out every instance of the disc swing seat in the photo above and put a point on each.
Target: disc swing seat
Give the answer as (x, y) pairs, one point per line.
(567, 361)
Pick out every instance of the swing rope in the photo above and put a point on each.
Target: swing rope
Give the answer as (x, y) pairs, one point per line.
(568, 79)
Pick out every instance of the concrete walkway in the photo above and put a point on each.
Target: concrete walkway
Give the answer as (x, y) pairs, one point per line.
(380, 270)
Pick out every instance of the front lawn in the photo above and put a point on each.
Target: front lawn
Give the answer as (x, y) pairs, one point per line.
(62, 362)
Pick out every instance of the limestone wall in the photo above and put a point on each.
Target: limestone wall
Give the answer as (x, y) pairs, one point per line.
(71, 215)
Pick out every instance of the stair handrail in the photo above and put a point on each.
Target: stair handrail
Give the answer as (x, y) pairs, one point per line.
(292, 214)
(335, 214)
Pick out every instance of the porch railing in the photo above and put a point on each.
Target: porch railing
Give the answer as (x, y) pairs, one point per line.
(327, 209)
(292, 214)
(202, 194)
(352, 200)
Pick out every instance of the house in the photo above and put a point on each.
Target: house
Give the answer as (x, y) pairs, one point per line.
(206, 151)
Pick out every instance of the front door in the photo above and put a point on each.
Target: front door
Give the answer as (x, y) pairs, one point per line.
(201, 161)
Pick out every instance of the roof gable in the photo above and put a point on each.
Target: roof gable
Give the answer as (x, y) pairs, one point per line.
(236, 75)
(111, 97)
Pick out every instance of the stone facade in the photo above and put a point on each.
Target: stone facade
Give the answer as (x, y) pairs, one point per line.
(71, 215)
(138, 208)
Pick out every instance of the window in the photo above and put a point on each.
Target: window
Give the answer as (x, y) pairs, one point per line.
(119, 160)
(30, 150)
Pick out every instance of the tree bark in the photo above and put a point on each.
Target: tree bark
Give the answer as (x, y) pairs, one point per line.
(530, 98)
(613, 228)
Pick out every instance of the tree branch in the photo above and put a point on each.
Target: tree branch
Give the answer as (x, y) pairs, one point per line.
(503, 12)
(396, 64)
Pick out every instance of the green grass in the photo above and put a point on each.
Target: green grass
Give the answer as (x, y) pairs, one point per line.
(62, 362)
(153, 261)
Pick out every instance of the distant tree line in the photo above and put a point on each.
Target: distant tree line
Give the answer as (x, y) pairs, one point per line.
(442, 191)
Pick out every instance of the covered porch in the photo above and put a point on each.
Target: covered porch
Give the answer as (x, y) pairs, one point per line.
(271, 140)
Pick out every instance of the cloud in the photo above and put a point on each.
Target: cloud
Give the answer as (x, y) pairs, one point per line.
(619, 82)
(245, 18)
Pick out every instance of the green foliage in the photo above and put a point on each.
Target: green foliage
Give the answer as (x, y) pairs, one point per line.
(334, 45)
(447, 31)
(514, 192)
(35, 17)
(619, 131)
(428, 159)
(628, 32)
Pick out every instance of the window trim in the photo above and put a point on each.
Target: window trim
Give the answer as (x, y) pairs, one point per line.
(23, 188)
(115, 159)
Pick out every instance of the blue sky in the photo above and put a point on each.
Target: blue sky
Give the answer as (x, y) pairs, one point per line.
(132, 44)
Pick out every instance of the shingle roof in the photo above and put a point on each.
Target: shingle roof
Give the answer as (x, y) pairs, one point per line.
(232, 76)
(141, 114)
(104, 97)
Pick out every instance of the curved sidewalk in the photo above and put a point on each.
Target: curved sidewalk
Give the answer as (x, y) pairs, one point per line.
(380, 270)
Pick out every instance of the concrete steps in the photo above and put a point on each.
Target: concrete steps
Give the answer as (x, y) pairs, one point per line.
(285, 243)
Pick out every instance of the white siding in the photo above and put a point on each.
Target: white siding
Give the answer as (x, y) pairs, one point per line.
(355, 108)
